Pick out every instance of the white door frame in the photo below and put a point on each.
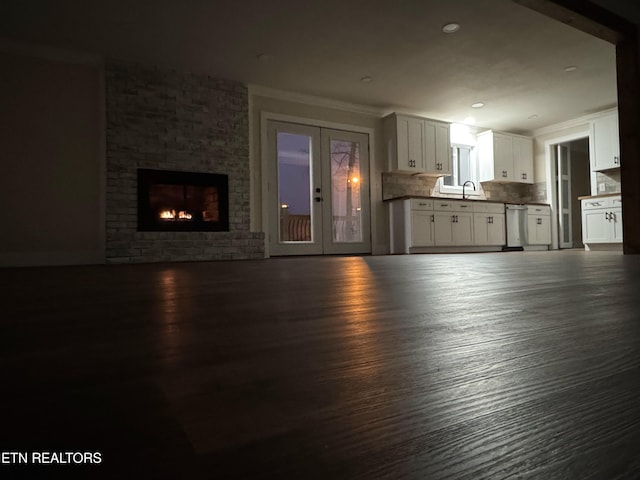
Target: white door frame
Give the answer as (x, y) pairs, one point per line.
(552, 191)
(264, 164)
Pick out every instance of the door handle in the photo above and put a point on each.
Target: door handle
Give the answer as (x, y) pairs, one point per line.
(318, 199)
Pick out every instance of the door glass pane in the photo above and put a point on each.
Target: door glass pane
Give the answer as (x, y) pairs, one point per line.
(564, 154)
(565, 194)
(294, 187)
(346, 205)
(565, 219)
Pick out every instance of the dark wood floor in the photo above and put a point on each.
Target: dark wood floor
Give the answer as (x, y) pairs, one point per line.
(497, 366)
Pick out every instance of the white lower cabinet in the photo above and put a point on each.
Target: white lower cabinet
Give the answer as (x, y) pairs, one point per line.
(602, 220)
(489, 224)
(453, 228)
(436, 225)
(422, 234)
(453, 222)
(538, 225)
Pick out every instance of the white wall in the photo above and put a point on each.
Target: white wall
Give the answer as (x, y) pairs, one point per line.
(51, 193)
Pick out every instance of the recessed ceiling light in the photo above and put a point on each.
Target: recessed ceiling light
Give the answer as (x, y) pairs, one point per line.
(570, 68)
(477, 105)
(366, 79)
(533, 117)
(451, 27)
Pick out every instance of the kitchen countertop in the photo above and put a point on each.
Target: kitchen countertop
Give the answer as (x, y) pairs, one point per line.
(408, 197)
(587, 197)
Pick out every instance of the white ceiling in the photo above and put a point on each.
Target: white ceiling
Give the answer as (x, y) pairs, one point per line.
(507, 56)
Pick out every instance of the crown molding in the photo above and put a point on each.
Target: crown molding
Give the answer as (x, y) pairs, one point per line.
(572, 123)
(268, 92)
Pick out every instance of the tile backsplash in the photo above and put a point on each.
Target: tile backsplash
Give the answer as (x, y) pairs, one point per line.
(610, 179)
(398, 185)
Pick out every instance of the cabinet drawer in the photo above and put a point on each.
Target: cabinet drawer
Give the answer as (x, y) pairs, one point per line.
(421, 204)
(607, 202)
(443, 205)
(452, 205)
(483, 207)
(538, 210)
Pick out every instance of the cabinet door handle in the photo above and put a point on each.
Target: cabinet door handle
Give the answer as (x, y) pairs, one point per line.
(504, 173)
(539, 221)
(612, 216)
(433, 218)
(606, 216)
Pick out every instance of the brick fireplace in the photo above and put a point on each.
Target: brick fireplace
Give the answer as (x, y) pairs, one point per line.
(162, 120)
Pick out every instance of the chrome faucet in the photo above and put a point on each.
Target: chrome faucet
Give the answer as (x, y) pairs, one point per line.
(465, 184)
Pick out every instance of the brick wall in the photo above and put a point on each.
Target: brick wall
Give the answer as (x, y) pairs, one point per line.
(175, 121)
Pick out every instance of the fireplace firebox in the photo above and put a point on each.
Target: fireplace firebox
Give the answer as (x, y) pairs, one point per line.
(170, 201)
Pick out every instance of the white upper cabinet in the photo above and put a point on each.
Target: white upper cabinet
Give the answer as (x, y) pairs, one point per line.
(417, 145)
(605, 143)
(505, 158)
(523, 159)
(437, 148)
(404, 137)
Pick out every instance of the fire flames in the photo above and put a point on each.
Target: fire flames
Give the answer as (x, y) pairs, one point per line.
(172, 215)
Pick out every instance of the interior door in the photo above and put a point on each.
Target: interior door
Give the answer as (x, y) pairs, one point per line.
(565, 234)
(318, 190)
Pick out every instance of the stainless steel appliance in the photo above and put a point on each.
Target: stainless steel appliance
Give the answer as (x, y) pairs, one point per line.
(516, 226)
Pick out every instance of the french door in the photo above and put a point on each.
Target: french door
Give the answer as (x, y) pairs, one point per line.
(563, 156)
(318, 190)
